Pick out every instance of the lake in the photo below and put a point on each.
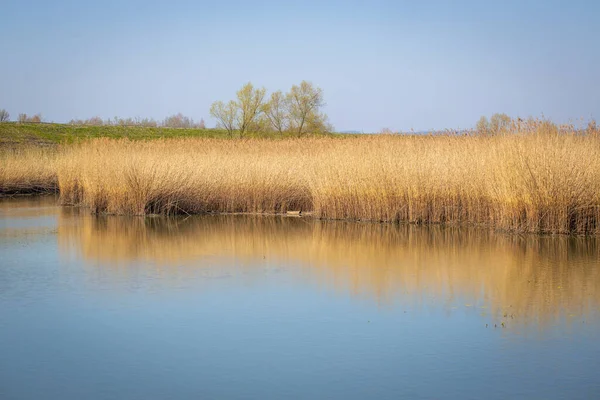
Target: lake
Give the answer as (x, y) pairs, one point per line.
(260, 307)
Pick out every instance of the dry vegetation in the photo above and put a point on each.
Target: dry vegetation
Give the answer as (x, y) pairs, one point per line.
(27, 170)
(537, 178)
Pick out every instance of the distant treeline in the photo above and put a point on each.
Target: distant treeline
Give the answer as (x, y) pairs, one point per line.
(503, 124)
(174, 121)
(297, 113)
(500, 123)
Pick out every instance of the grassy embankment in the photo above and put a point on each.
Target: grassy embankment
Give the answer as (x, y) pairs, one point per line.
(536, 180)
(14, 134)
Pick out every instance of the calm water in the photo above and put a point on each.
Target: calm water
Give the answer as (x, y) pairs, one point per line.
(271, 307)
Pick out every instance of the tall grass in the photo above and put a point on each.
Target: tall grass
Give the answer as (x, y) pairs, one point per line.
(27, 170)
(531, 180)
(185, 176)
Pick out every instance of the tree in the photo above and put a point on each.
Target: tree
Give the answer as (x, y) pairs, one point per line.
(318, 123)
(261, 125)
(242, 114)
(305, 102)
(124, 121)
(499, 122)
(250, 105)
(4, 115)
(24, 118)
(94, 121)
(483, 126)
(147, 122)
(298, 111)
(225, 114)
(178, 121)
(277, 111)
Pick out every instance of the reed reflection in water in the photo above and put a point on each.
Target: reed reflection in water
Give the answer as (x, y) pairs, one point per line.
(514, 279)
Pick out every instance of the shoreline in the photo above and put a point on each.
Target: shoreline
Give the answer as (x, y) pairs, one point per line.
(309, 215)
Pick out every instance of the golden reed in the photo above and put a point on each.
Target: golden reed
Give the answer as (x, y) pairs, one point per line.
(28, 170)
(538, 181)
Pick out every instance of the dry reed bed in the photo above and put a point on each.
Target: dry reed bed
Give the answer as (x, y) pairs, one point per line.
(28, 170)
(530, 182)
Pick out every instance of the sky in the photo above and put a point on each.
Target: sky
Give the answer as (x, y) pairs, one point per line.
(381, 63)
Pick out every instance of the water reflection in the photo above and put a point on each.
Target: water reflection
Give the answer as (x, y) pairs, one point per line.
(524, 279)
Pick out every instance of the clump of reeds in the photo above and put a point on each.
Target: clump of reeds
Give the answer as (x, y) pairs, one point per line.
(27, 170)
(184, 176)
(534, 177)
(524, 182)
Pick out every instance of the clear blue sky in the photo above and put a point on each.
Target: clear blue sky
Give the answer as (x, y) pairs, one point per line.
(397, 64)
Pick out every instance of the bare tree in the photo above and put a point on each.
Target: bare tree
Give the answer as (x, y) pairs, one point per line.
(124, 121)
(35, 119)
(225, 114)
(483, 126)
(305, 102)
(277, 111)
(94, 121)
(178, 121)
(499, 122)
(147, 122)
(250, 105)
(201, 124)
(4, 115)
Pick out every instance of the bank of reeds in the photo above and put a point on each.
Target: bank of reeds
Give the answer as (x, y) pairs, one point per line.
(535, 180)
(26, 170)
